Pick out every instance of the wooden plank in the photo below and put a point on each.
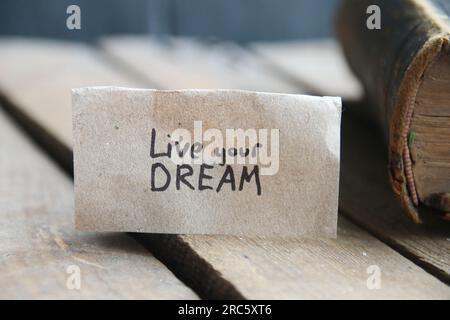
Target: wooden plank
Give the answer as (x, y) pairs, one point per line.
(426, 245)
(255, 268)
(319, 64)
(181, 63)
(40, 82)
(366, 197)
(299, 269)
(371, 205)
(38, 242)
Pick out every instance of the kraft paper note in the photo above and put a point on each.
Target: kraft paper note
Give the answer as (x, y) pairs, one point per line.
(206, 162)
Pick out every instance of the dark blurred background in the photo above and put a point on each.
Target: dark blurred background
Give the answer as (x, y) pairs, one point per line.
(238, 20)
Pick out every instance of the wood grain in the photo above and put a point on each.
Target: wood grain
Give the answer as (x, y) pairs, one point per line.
(318, 65)
(365, 195)
(224, 267)
(298, 269)
(182, 63)
(366, 198)
(371, 205)
(38, 241)
(39, 82)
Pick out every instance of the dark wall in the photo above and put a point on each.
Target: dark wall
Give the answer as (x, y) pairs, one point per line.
(239, 20)
(47, 18)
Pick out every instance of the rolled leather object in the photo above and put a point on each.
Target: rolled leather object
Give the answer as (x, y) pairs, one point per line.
(391, 63)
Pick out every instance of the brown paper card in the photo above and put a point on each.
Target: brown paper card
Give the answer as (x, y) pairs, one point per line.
(206, 162)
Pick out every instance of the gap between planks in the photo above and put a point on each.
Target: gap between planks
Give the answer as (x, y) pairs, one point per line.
(222, 253)
(365, 185)
(360, 201)
(204, 281)
(38, 241)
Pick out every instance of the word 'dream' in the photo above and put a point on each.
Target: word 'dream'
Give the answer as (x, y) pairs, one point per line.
(206, 162)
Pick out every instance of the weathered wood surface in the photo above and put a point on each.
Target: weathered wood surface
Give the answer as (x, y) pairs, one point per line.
(427, 245)
(366, 198)
(39, 82)
(318, 65)
(181, 63)
(300, 269)
(363, 159)
(261, 268)
(38, 242)
(373, 205)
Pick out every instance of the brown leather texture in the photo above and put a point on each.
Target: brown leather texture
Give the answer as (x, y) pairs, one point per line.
(390, 62)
